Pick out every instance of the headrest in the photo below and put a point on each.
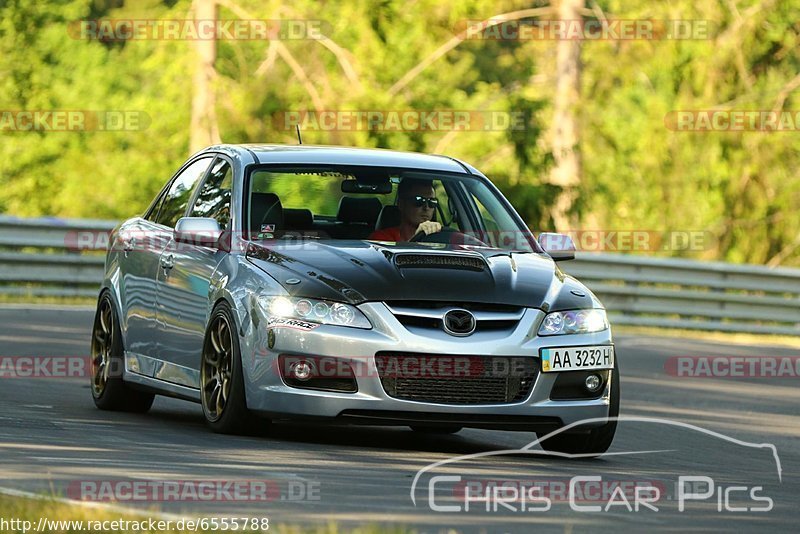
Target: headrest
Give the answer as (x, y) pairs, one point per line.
(359, 210)
(388, 218)
(298, 219)
(265, 209)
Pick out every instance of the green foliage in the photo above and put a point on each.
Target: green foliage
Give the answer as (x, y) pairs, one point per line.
(741, 187)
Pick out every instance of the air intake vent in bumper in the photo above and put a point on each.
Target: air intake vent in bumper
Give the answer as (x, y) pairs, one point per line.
(457, 379)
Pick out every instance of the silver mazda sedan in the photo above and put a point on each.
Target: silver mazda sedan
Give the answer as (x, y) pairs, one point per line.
(354, 286)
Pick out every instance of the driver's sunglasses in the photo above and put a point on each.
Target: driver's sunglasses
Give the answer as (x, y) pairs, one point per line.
(420, 201)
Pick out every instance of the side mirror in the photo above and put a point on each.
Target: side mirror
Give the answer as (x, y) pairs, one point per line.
(559, 246)
(202, 231)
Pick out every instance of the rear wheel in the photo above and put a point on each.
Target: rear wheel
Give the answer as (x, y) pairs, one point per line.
(436, 429)
(108, 389)
(221, 378)
(597, 440)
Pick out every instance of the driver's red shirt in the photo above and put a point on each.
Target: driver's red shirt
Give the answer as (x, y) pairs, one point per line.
(387, 234)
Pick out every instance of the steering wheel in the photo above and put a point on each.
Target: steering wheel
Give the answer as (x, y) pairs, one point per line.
(447, 236)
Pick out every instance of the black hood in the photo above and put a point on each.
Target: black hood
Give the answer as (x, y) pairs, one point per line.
(360, 271)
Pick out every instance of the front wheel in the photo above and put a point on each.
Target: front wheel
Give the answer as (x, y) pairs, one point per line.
(597, 440)
(109, 391)
(221, 379)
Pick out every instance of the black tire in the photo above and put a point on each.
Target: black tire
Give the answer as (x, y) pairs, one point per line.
(222, 389)
(109, 391)
(436, 429)
(597, 440)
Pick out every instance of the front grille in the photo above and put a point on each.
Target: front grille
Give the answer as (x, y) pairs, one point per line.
(436, 324)
(470, 263)
(429, 314)
(457, 379)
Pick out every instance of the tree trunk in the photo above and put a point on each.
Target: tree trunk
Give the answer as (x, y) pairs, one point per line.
(566, 172)
(204, 128)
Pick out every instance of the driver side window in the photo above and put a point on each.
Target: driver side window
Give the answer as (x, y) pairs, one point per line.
(180, 192)
(214, 198)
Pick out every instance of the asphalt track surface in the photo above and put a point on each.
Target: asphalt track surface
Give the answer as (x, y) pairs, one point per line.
(52, 438)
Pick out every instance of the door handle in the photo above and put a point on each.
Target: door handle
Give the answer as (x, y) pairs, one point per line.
(167, 263)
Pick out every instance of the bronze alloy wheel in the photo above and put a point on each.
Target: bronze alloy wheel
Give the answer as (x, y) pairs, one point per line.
(222, 391)
(217, 371)
(102, 347)
(109, 389)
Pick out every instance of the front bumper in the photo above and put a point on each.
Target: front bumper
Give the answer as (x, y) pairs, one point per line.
(269, 395)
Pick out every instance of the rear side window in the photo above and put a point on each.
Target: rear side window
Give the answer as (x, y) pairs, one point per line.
(214, 198)
(180, 192)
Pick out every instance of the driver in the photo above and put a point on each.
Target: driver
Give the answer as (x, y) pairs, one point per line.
(416, 200)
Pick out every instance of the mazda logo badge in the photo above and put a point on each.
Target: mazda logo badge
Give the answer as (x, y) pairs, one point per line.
(459, 323)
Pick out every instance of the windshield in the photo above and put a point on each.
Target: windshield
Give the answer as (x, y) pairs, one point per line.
(379, 204)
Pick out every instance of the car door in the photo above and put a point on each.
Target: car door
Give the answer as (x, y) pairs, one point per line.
(184, 280)
(143, 245)
(142, 242)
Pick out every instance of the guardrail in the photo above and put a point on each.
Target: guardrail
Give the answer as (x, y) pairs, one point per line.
(676, 293)
(43, 257)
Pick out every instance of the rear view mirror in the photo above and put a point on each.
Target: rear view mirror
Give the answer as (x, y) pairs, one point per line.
(356, 187)
(202, 231)
(559, 246)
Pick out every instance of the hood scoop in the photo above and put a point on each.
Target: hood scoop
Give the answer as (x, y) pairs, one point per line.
(441, 261)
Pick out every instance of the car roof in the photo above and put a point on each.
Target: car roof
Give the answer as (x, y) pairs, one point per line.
(316, 154)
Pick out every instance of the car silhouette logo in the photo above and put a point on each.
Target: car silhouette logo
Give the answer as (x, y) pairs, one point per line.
(459, 323)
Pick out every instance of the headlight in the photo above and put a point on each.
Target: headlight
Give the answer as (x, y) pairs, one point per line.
(315, 311)
(573, 322)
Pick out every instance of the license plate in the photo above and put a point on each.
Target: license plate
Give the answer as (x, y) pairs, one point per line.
(577, 358)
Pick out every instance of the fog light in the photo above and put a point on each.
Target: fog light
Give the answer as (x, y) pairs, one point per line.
(301, 370)
(593, 382)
